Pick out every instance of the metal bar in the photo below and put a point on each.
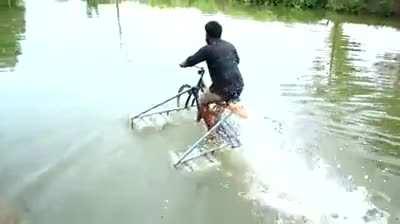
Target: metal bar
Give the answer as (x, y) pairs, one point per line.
(202, 154)
(229, 129)
(119, 23)
(201, 139)
(159, 112)
(164, 102)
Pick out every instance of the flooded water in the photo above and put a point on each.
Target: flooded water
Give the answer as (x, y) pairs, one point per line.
(322, 143)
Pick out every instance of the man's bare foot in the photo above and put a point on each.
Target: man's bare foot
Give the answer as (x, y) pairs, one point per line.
(238, 109)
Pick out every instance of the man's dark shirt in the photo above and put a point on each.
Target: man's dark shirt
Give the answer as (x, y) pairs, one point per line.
(222, 61)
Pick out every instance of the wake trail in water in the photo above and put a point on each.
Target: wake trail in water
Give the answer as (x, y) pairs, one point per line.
(53, 169)
(283, 180)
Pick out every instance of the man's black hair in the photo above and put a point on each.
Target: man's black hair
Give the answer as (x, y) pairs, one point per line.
(214, 29)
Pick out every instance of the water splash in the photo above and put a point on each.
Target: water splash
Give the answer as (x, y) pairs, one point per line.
(284, 181)
(157, 122)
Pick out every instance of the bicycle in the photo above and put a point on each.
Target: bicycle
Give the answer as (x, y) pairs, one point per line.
(192, 99)
(226, 132)
(193, 91)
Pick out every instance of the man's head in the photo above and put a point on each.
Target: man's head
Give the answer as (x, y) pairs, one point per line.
(213, 30)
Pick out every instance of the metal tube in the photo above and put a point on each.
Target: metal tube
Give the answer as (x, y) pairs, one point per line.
(164, 102)
(203, 153)
(160, 112)
(201, 139)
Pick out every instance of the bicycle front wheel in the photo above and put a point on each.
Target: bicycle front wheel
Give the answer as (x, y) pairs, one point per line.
(184, 87)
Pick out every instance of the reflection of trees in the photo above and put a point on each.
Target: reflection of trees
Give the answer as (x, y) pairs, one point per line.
(118, 18)
(338, 88)
(340, 68)
(388, 96)
(92, 6)
(366, 100)
(265, 13)
(235, 8)
(12, 25)
(389, 64)
(344, 78)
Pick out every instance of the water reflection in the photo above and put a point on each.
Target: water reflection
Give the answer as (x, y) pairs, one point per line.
(237, 9)
(340, 66)
(92, 6)
(12, 27)
(387, 122)
(364, 94)
(92, 10)
(267, 13)
(359, 108)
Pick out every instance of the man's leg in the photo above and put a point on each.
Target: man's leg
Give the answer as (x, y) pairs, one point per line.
(238, 110)
(207, 98)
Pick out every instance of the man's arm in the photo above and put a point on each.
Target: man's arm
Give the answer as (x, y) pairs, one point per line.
(199, 56)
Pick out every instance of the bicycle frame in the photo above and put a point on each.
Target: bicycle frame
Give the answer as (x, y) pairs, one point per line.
(223, 128)
(192, 91)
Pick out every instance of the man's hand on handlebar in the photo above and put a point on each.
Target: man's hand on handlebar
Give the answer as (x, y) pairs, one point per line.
(200, 69)
(183, 64)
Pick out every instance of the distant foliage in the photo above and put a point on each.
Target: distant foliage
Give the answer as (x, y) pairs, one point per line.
(11, 3)
(384, 7)
(293, 3)
(354, 6)
(387, 6)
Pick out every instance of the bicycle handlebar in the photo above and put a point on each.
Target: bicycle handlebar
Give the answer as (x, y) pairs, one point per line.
(201, 70)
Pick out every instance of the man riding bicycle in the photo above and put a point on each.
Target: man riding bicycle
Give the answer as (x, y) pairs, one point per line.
(222, 62)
